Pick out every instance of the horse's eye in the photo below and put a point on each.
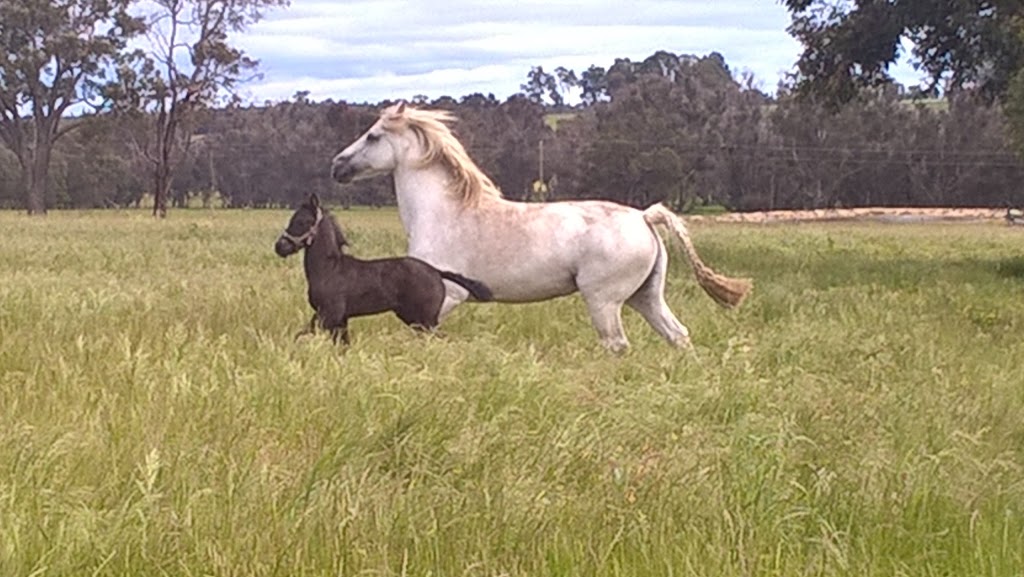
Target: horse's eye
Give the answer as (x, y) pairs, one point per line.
(371, 138)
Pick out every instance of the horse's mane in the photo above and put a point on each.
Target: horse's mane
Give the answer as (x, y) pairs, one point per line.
(339, 236)
(469, 183)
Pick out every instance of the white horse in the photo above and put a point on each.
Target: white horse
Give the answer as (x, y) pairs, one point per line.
(456, 219)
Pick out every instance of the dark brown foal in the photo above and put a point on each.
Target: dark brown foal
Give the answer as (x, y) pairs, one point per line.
(342, 286)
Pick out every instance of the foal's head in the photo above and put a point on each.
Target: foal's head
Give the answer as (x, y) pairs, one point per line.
(305, 226)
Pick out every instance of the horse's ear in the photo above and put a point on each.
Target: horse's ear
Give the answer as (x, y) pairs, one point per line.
(314, 200)
(401, 107)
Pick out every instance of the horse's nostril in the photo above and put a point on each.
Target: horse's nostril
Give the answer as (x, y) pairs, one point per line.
(282, 247)
(341, 171)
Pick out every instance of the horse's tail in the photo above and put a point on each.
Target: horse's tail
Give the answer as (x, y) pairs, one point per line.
(479, 290)
(726, 291)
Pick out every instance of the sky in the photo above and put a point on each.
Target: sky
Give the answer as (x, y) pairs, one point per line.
(369, 51)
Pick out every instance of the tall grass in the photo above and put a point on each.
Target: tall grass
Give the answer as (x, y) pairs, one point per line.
(863, 414)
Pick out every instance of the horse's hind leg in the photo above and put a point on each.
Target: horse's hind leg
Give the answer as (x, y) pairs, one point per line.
(649, 301)
(655, 311)
(607, 319)
(604, 289)
(454, 295)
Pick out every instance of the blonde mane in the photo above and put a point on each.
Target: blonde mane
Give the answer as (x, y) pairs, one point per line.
(469, 183)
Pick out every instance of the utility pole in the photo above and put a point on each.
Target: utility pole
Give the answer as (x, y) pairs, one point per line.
(539, 190)
(541, 162)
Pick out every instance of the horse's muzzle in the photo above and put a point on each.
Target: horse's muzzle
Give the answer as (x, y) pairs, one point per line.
(342, 171)
(284, 247)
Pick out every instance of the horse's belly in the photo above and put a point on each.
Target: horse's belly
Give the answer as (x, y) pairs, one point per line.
(530, 288)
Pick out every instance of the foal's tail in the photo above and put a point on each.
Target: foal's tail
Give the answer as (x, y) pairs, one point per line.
(479, 290)
(728, 292)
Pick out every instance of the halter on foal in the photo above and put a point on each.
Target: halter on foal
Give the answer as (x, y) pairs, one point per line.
(342, 286)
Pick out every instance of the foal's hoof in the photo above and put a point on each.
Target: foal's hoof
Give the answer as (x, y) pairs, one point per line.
(425, 330)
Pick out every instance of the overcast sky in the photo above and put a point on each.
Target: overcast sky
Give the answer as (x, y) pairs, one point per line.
(368, 51)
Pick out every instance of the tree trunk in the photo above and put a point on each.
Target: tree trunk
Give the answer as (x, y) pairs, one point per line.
(36, 198)
(166, 129)
(161, 188)
(35, 177)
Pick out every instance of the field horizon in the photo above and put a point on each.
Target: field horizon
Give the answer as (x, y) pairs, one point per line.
(862, 414)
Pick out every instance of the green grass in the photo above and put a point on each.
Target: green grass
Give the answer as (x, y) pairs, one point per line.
(862, 414)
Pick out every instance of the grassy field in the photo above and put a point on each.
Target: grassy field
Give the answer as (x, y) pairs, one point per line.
(862, 415)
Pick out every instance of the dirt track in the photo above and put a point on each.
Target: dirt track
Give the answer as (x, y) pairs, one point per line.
(878, 214)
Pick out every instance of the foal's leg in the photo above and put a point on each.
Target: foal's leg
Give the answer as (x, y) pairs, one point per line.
(421, 315)
(340, 331)
(420, 295)
(309, 330)
(416, 320)
(335, 319)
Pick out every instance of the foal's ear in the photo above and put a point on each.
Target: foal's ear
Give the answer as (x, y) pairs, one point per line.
(401, 107)
(313, 200)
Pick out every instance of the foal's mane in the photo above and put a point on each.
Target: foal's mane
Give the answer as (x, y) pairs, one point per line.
(431, 128)
(331, 222)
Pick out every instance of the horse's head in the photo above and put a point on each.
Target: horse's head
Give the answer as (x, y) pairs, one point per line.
(301, 229)
(415, 139)
(378, 151)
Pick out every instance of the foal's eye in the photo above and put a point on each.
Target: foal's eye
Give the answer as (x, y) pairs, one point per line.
(371, 138)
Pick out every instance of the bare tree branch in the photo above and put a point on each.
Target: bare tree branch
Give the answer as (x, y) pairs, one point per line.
(170, 91)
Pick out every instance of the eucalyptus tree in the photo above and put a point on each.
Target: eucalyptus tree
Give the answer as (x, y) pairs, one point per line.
(850, 45)
(188, 65)
(58, 54)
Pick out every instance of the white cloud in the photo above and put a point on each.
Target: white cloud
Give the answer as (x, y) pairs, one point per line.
(432, 84)
(386, 49)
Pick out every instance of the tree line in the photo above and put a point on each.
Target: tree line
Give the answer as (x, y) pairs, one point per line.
(676, 128)
(673, 128)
